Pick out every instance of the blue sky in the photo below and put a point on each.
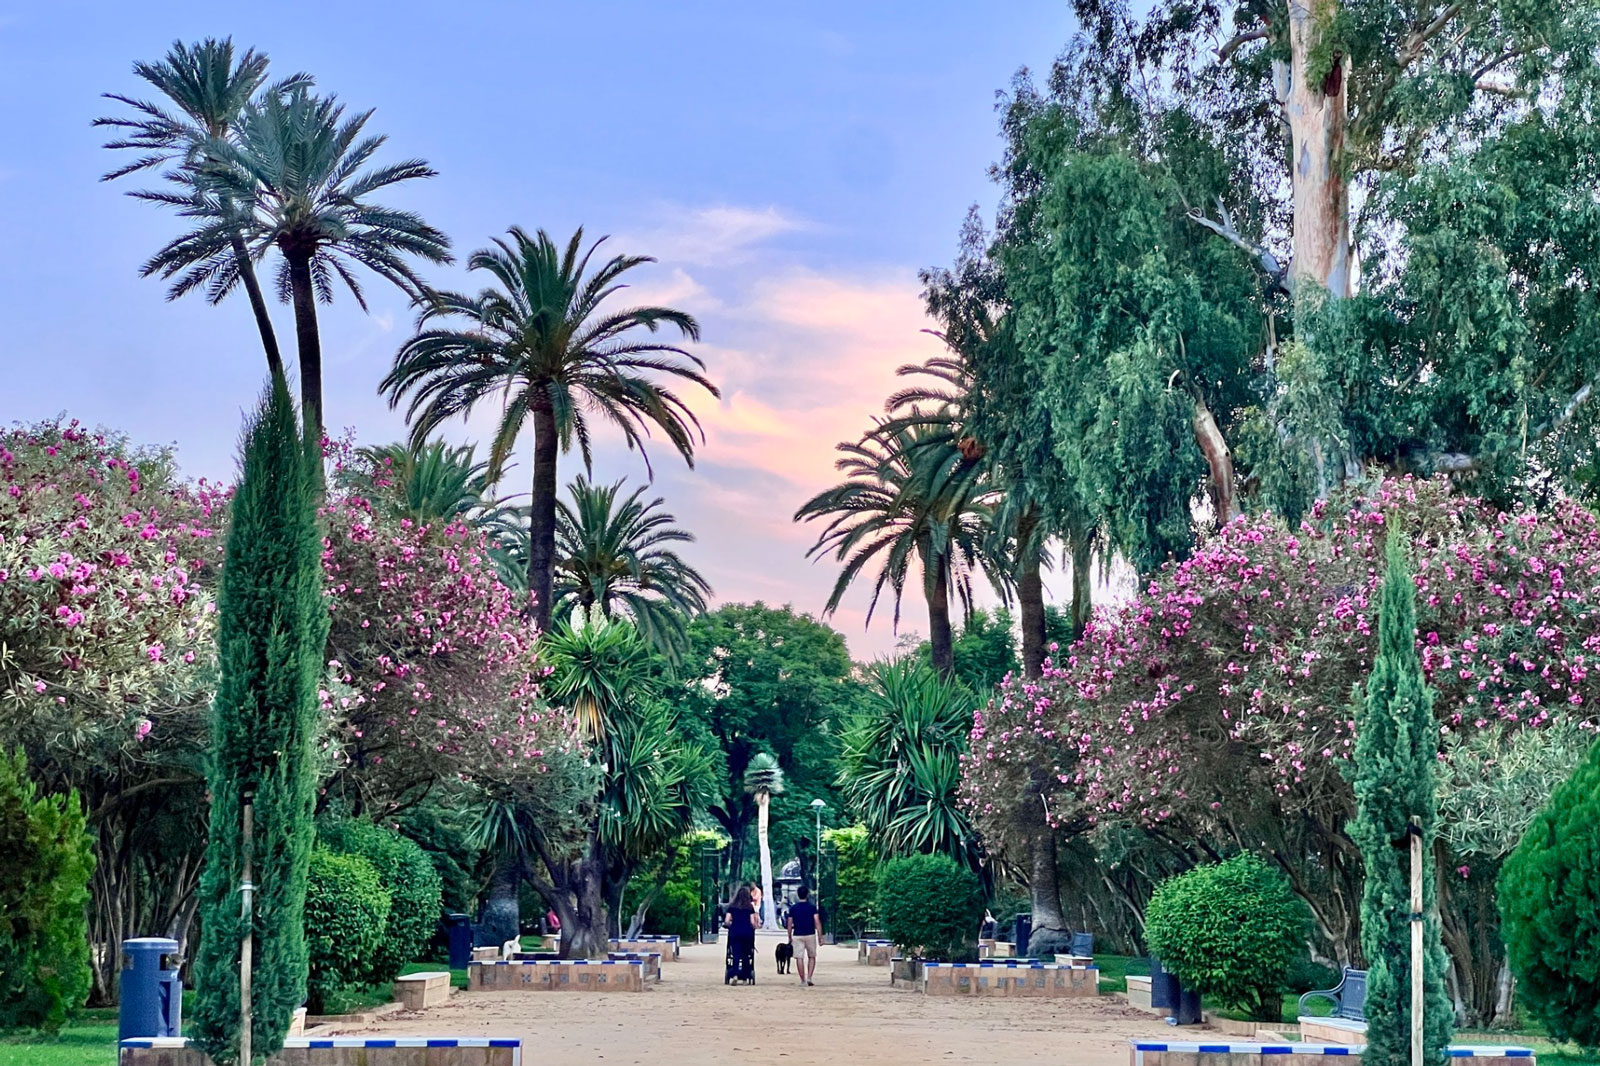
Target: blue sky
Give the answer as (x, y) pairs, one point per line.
(791, 166)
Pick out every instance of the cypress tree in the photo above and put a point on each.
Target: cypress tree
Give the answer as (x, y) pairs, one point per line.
(1396, 752)
(1550, 908)
(271, 632)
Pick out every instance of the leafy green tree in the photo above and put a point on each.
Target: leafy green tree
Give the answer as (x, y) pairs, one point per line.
(271, 630)
(857, 878)
(206, 91)
(299, 162)
(1396, 793)
(1231, 930)
(540, 344)
(931, 907)
(44, 932)
(615, 550)
(760, 678)
(910, 495)
(902, 763)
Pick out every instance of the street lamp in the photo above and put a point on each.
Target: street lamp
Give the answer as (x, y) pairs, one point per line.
(818, 806)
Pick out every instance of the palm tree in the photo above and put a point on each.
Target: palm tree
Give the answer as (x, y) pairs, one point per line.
(299, 162)
(763, 779)
(910, 494)
(207, 92)
(540, 343)
(902, 763)
(431, 484)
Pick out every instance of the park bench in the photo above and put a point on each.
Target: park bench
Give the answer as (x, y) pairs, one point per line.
(1349, 1018)
(419, 991)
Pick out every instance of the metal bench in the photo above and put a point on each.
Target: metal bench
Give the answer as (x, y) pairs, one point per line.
(1349, 996)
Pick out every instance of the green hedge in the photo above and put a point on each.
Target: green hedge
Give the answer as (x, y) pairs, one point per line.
(347, 910)
(1232, 930)
(411, 880)
(44, 877)
(931, 906)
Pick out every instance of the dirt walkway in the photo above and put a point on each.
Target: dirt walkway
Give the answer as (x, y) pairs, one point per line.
(851, 1016)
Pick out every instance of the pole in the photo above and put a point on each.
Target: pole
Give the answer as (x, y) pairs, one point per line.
(817, 873)
(247, 941)
(1416, 944)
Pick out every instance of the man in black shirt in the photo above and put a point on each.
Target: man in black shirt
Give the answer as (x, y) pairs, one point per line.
(805, 933)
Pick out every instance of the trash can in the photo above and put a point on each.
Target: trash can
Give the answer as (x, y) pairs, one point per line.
(458, 932)
(152, 995)
(1163, 986)
(1020, 934)
(1187, 1011)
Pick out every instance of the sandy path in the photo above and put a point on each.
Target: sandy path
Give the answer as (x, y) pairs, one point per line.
(850, 1016)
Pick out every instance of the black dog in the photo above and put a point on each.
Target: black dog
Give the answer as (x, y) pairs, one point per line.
(785, 954)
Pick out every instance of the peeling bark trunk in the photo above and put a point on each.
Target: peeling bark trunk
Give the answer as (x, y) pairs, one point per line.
(1318, 117)
(1224, 486)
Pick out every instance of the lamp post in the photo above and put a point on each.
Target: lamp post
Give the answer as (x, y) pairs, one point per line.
(817, 806)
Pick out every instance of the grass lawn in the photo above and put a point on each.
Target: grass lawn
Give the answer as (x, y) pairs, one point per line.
(90, 1041)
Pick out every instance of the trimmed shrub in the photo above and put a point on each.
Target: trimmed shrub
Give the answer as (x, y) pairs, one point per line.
(931, 906)
(1232, 930)
(1550, 909)
(347, 911)
(407, 875)
(44, 934)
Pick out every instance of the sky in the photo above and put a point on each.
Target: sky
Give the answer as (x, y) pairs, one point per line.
(791, 168)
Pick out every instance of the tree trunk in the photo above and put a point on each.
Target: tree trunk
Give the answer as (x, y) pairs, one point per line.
(1045, 891)
(1030, 594)
(542, 515)
(1082, 544)
(258, 305)
(939, 635)
(768, 906)
(586, 937)
(1318, 115)
(1224, 487)
(501, 918)
(304, 297)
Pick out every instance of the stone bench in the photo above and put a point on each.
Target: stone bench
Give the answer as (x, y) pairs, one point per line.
(874, 952)
(1014, 978)
(1253, 1053)
(419, 991)
(484, 954)
(1333, 1030)
(557, 975)
(666, 946)
(341, 1051)
(996, 949)
(650, 959)
(1139, 993)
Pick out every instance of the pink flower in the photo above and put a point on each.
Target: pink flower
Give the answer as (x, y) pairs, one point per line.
(142, 729)
(154, 651)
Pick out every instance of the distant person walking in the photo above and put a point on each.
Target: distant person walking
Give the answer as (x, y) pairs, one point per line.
(805, 933)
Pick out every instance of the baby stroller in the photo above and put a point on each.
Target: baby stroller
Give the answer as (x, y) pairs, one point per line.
(740, 961)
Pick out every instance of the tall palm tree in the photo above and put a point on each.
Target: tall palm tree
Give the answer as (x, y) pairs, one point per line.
(540, 342)
(910, 494)
(207, 90)
(298, 160)
(763, 779)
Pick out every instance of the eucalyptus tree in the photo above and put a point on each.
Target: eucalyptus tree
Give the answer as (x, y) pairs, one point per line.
(206, 89)
(910, 497)
(542, 344)
(303, 166)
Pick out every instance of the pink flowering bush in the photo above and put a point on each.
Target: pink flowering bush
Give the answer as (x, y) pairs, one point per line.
(1218, 702)
(434, 670)
(106, 564)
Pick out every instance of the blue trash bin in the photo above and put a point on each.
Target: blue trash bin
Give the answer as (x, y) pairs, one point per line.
(152, 995)
(458, 931)
(1021, 933)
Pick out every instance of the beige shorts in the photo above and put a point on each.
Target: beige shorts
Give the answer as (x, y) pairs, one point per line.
(805, 945)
